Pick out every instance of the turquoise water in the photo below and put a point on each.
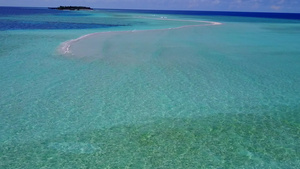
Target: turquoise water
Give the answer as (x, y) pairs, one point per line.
(141, 95)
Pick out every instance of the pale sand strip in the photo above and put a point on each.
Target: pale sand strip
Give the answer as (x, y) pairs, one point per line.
(64, 48)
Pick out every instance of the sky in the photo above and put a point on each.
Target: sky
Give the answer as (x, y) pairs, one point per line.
(292, 6)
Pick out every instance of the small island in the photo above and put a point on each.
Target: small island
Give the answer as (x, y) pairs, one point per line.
(72, 8)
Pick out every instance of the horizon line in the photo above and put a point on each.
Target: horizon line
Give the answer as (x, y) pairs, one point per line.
(147, 9)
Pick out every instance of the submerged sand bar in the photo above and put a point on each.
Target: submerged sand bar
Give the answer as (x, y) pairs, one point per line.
(65, 47)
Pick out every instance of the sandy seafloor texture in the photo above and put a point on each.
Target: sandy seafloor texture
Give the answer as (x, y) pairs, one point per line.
(146, 96)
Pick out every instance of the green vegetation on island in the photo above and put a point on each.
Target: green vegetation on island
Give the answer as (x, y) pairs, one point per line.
(72, 8)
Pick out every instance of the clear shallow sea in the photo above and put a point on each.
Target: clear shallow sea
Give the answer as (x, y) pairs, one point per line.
(146, 96)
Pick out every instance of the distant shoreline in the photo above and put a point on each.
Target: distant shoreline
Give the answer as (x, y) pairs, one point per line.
(72, 8)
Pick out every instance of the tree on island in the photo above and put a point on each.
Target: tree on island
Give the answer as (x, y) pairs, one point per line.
(72, 8)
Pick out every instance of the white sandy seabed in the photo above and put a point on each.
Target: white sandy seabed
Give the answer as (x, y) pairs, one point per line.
(65, 47)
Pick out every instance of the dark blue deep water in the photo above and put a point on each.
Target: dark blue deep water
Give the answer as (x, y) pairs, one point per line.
(14, 25)
(21, 18)
(8, 11)
(6, 23)
(295, 16)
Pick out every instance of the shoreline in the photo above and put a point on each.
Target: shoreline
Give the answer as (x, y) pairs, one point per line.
(64, 47)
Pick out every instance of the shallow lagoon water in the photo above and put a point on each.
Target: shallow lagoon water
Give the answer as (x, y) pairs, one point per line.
(216, 96)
